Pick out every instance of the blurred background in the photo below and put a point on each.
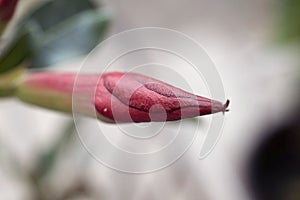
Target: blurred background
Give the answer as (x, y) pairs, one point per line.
(255, 47)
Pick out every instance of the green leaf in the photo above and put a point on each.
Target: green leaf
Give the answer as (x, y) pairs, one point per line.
(289, 20)
(74, 37)
(55, 32)
(54, 12)
(14, 50)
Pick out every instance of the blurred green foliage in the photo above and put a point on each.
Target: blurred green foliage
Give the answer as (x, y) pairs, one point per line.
(289, 20)
(54, 32)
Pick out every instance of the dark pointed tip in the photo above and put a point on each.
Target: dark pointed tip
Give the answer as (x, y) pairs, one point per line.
(226, 106)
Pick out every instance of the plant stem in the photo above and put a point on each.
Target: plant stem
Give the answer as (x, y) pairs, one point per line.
(8, 81)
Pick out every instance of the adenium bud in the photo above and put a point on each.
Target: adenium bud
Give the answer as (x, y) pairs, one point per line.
(118, 97)
(7, 9)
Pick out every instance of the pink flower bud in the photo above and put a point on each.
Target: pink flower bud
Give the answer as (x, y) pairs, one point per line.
(147, 99)
(7, 8)
(119, 97)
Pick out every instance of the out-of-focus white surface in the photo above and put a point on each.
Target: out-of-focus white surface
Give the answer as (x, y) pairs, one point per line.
(258, 79)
